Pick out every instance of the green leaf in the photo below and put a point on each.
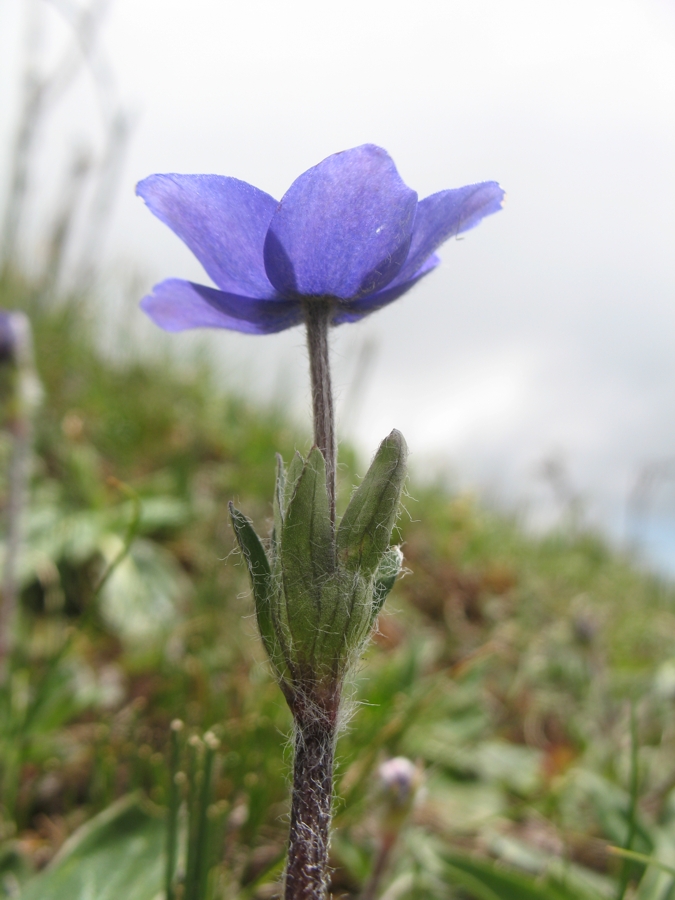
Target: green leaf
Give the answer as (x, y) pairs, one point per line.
(293, 474)
(344, 624)
(261, 579)
(349, 605)
(120, 853)
(365, 529)
(278, 504)
(307, 552)
(385, 578)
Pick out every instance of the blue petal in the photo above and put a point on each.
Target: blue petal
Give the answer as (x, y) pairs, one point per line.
(357, 309)
(222, 220)
(176, 305)
(445, 215)
(343, 228)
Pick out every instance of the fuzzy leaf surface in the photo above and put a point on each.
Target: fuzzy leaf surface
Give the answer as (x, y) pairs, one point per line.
(365, 529)
(307, 552)
(278, 504)
(261, 578)
(295, 469)
(344, 623)
(385, 578)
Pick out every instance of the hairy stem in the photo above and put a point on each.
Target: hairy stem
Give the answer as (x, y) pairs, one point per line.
(317, 320)
(315, 717)
(307, 870)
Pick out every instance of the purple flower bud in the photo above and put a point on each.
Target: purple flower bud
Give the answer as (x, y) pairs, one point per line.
(7, 337)
(400, 779)
(348, 230)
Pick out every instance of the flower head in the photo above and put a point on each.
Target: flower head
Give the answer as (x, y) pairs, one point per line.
(348, 230)
(7, 337)
(400, 780)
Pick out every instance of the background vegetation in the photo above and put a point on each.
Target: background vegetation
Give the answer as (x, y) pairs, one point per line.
(531, 679)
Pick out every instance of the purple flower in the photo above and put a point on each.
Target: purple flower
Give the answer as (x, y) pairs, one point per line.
(348, 229)
(7, 337)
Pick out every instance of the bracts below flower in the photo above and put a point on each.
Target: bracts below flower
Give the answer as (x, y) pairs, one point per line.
(317, 593)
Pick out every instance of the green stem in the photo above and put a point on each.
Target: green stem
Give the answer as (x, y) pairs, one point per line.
(201, 760)
(194, 780)
(174, 807)
(202, 840)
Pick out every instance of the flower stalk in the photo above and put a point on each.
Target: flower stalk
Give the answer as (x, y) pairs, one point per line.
(315, 702)
(317, 321)
(316, 727)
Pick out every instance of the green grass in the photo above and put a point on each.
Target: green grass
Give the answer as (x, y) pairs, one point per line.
(505, 663)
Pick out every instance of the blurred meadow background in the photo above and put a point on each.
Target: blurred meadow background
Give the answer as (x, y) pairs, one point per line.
(526, 664)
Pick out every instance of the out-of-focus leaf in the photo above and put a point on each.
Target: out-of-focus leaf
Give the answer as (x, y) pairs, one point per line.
(658, 882)
(512, 765)
(118, 854)
(489, 881)
(464, 806)
(612, 805)
(527, 857)
(140, 599)
(14, 870)
(52, 534)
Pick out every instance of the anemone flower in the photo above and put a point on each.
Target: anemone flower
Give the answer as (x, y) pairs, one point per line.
(348, 232)
(347, 238)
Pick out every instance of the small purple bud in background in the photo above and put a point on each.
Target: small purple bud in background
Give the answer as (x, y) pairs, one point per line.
(7, 338)
(16, 341)
(399, 782)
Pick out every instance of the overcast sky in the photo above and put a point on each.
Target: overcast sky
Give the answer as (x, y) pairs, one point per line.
(550, 329)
